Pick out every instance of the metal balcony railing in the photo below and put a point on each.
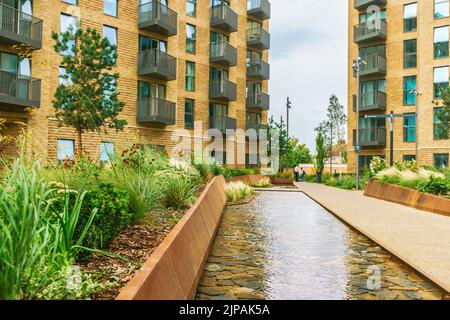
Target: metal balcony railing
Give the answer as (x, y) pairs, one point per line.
(371, 137)
(362, 4)
(258, 69)
(259, 8)
(370, 31)
(158, 64)
(258, 101)
(17, 27)
(222, 90)
(375, 65)
(258, 38)
(19, 90)
(223, 53)
(223, 123)
(157, 17)
(223, 17)
(155, 110)
(371, 101)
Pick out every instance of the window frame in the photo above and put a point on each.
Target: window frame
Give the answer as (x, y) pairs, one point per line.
(116, 9)
(191, 42)
(413, 20)
(407, 128)
(190, 78)
(189, 124)
(409, 54)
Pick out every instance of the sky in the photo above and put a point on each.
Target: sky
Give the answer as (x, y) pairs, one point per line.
(308, 58)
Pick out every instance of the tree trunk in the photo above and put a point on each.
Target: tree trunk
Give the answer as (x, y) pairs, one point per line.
(80, 143)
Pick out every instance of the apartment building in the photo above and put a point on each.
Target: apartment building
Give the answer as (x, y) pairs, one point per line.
(180, 61)
(405, 48)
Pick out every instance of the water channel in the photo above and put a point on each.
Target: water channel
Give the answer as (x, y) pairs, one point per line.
(283, 245)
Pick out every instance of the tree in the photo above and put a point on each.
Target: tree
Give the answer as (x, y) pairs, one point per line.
(86, 98)
(299, 153)
(284, 145)
(443, 114)
(321, 155)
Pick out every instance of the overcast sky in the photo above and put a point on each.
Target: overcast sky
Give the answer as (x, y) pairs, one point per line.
(308, 58)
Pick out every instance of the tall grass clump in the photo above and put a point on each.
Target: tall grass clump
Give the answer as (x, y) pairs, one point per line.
(236, 191)
(178, 192)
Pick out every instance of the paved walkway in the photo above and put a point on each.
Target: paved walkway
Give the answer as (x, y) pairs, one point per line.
(419, 238)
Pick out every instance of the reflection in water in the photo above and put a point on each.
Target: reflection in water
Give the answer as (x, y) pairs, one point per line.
(284, 246)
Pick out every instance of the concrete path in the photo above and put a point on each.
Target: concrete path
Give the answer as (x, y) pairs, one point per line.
(419, 238)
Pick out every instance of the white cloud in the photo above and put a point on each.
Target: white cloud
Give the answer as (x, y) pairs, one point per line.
(308, 61)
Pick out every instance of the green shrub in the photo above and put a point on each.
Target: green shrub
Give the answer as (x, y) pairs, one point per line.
(263, 183)
(236, 191)
(435, 185)
(216, 169)
(231, 173)
(178, 192)
(204, 170)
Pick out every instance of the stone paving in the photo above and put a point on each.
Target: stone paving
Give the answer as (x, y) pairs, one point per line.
(247, 260)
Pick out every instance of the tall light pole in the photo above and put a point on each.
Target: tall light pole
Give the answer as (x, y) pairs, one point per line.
(288, 107)
(417, 94)
(357, 66)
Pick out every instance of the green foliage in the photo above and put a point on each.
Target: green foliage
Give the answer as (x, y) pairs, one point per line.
(204, 170)
(443, 114)
(377, 165)
(236, 191)
(435, 185)
(298, 154)
(263, 183)
(178, 192)
(216, 169)
(231, 173)
(321, 153)
(87, 99)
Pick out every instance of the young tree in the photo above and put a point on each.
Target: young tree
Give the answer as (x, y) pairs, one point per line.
(284, 145)
(86, 98)
(443, 127)
(299, 153)
(321, 155)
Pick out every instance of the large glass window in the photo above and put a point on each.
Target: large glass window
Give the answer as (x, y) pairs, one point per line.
(65, 148)
(441, 9)
(410, 53)
(217, 115)
(190, 76)
(253, 120)
(409, 87)
(69, 24)
(191, 8)
(110, 33)
(441, 129)
(106, 151)
(190, 38)
(364, 17)
(74, 2)
(146, 43)
(440, 80)
(440, 160)
(441, 35)
(409, 127)
(110, 7)
(410, 17)
(189, 113)
(151, 90)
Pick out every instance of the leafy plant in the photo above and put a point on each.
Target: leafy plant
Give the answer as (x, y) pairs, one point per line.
(436, 186)
(263, 183)
(178, 192)
(236, 191)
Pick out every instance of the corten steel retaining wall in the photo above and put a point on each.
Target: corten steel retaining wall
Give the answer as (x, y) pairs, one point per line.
(252, 179)
(174, 269)
(408, 197)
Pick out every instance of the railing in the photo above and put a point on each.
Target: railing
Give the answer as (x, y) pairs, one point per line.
(258, 37)
(222, 16)
(259, 8)
(258, 69)
(223, 123)
(156, 16)
(369, 30)
(256, 126)
(374, 100)
(223, 52)
(371, 137)
(158, 64)
(258, 100)
(222, 89)
(19, 90)
(156, 110)
(374, 64)
(18, 27)
(360, 4)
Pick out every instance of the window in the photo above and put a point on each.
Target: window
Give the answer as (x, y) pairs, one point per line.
(191, 8)
(74, 2)
(217, 116)
(190, 76)
(440, 160)
(190, 38)
(409, 87)
(66, 149)
(188, 114)
(440, 128)
(409, 157)
(106, 151)
(64, 77)
(110, 33)
(110, 7)
(441, 9)
(409, 127)
(151, 90)
(370, 92)
(365, 17)
(69, 24)
(441, 42)
(440, 80)
(410, 17)
(147, 43)
(253, 120)
(410, 53)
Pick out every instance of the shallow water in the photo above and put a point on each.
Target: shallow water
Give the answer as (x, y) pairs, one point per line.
(283, 245)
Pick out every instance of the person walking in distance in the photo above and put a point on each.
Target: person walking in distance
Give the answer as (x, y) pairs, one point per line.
(303, 174)
(296, 173)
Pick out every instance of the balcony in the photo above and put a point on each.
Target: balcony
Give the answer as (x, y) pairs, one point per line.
(371, 101)
(260, 101)
(258, 38)
(157, 64)
(259, 8)
(223, 17)
(370, 31)
(18, 90)
(222, 90)
(371, 137)
(223, 53)
(155, 110)
(362, 4)
(156, 17)
(258, 69)
(375, 66)
(222, 123)
(17, 27)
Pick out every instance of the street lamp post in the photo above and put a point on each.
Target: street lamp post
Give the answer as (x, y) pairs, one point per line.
(288, 107)
(356, 67)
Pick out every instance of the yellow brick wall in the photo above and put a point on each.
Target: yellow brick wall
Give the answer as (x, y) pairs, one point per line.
(394, 80)
(44, 130)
